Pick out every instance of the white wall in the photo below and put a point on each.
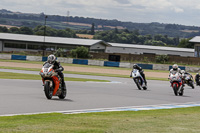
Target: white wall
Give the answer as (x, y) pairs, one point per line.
(98, 46)
(34, 58)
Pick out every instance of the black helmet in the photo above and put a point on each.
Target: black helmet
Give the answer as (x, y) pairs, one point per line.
(51, 59)
(135, 66)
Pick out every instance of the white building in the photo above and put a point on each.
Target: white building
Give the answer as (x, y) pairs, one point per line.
(146, 49)
(19, 42)
(196, 41)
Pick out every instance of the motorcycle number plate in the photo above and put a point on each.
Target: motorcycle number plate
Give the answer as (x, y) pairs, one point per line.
(45, 70)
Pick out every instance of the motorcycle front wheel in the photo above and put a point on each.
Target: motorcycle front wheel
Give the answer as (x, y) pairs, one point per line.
(175, 88)
(137, 82)
(191, 84)
(47, 90)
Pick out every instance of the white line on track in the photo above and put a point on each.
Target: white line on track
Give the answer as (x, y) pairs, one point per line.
(128, 108)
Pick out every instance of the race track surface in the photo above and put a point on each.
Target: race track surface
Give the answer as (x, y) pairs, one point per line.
(27, 96)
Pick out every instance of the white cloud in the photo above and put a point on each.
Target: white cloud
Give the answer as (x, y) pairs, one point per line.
(178, 10)
(124, 10)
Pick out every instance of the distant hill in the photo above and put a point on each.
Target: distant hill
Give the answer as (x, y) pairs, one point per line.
(61, 22)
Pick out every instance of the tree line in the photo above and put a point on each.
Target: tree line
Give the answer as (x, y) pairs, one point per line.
(134, 37)
(114, 36)
(154, 28)
(39, 30)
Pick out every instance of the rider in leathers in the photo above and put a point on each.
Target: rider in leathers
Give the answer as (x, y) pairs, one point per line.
(175, 68)
(197, 79)
(135, 66)
(57, 68)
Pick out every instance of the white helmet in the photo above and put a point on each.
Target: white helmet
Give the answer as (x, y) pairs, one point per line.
(51, 59)
(182, 71)
(175, 67)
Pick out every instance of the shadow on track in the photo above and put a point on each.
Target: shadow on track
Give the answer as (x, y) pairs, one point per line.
(56, 99)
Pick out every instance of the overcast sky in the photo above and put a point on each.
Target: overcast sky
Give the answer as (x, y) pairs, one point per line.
(186, 12)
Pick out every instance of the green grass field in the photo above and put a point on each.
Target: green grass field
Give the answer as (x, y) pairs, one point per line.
(84, 73)
(181, 120)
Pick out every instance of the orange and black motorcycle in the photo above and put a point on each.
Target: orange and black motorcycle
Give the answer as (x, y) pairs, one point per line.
(52, 82)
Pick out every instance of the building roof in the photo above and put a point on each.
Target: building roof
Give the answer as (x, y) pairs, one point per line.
(86, 42)
(48, 39)
(195, 39)
(152, 47)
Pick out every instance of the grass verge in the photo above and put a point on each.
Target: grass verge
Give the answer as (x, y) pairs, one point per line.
(84, 73)
(184, 120)
(9, 75)
(78, 65)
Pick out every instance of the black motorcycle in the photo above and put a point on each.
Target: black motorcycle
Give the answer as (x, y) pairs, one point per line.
(189, 80)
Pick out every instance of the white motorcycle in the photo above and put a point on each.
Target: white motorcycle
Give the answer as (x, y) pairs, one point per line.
(138, 79)
(176, 83)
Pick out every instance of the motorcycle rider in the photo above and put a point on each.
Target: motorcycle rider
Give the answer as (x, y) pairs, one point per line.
(184, 74)
(57, 67)
(197, 79)
(176, 69)
(135, 66)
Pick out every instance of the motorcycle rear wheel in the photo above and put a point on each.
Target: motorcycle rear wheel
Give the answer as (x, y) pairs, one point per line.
(48, 91)
(63, 93)
(144, 88)
(191, 84)
(181, 93)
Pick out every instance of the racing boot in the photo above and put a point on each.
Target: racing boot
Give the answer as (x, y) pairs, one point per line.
(145, 82)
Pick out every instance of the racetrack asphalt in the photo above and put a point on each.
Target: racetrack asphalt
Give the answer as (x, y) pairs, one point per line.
(27, 96)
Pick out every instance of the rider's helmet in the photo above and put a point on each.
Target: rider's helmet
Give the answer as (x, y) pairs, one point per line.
(135, 66)
(51, 59)
(197, 74)
(175, 67)
(182, 71)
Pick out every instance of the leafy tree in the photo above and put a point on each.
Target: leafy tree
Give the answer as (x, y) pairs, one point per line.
(184, 43)
(3, 29)
(80, 52)
(26, 30)
(14, 30)
(162, 58)
(60, 53)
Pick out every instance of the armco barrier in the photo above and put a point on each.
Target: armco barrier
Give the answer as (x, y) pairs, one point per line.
(98, 63)
(18, 57)
(5, 56)
(192, 69)
(111, 64)
(181, 67)
(95, 62)
(44, 58)
(34, 58)
(146, 66)
(80, 61)
(125, 65)
(160, 67)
